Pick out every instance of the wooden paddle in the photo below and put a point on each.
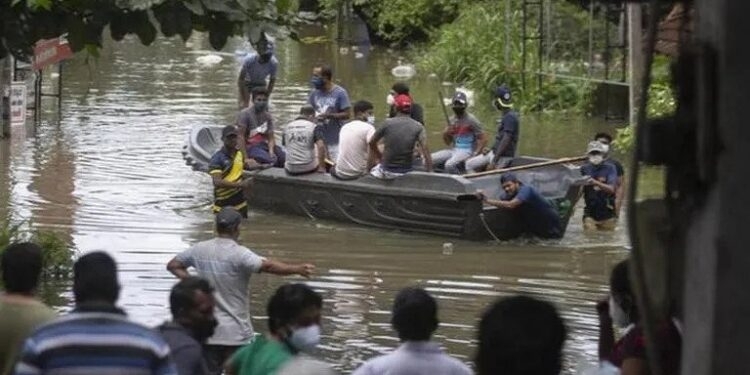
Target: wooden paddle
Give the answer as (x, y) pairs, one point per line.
(527, 166)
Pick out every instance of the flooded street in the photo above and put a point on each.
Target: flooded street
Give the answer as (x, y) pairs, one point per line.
(108, 175)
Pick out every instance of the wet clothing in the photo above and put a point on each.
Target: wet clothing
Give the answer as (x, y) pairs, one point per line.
(187, 352)
(353, 149)
(600, 205)
(633, 345)
(400, 135)
(258, 125)
(334, 101)
(229, 167)
(414, 358)
(537, 214)
(261, 357)
(95, 339)
(300, 137)
(256, 72)
(416, 113)
(19, 318)
(227, 266)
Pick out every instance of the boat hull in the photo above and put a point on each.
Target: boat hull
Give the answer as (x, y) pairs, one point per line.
(439, 204)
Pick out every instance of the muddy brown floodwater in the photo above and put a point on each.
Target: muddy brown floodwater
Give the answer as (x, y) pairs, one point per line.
(108, 175)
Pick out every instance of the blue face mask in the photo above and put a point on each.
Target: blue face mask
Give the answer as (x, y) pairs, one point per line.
(317, 82)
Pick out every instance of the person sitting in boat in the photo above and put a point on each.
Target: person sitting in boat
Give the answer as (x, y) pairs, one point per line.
(353, 160)
(464, 136)
(599, 191)
(301, 138)
(506, 140)
(255, 69)
(400, 135)
(226, 169)
(536, 213)
(256, 132)
(401, 88)
(606, 140)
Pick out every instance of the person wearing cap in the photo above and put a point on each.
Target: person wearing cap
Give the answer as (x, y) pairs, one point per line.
(463, 135)
(401, 88)
(400, 135)
(506, 139)
(256, 130)
(331, 104)
(606, 140)
(227, 265)
(599, 190)
(535, 212)
(255, 69)
(226, 168)
(414, 317)
(306, 148)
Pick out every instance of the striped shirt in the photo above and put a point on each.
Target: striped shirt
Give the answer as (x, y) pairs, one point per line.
(92, 341)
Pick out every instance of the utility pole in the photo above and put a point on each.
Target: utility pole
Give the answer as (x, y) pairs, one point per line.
(635, 58)
(5, 80)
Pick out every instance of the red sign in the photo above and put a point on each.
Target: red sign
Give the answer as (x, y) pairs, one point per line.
(50, 51)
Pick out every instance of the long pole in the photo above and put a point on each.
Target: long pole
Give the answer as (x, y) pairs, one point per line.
(527, 166)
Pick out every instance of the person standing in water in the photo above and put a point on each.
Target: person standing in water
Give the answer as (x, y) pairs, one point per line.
(255, 70)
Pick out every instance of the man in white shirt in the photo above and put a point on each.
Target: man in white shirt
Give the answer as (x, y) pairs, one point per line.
(414, 317)
(354, 159)
(227, 265)
(305, 145)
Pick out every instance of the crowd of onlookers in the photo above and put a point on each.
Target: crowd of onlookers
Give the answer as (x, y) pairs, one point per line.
(210, 331)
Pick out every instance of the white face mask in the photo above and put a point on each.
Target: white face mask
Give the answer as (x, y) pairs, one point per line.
(596, 159)
(390, 99)
(306, 338)
(606, 148)
(619, 317)
(371, 120)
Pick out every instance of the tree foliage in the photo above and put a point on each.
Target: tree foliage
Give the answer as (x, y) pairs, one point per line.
(24, 22)
(402, 21)
(482, 49)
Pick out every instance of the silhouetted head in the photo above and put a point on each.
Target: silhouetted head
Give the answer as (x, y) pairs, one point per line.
(414, 314)
(21, 267)
(518, 336)
(192, 305)
(95, 279)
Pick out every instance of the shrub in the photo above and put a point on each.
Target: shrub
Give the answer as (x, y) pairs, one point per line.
(58, 255)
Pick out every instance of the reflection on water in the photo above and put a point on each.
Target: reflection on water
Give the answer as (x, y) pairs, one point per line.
(110, 176)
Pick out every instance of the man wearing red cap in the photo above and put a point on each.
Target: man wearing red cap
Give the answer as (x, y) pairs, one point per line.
(400, 134)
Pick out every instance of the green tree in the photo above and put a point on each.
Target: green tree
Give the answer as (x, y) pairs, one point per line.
(24, 22)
